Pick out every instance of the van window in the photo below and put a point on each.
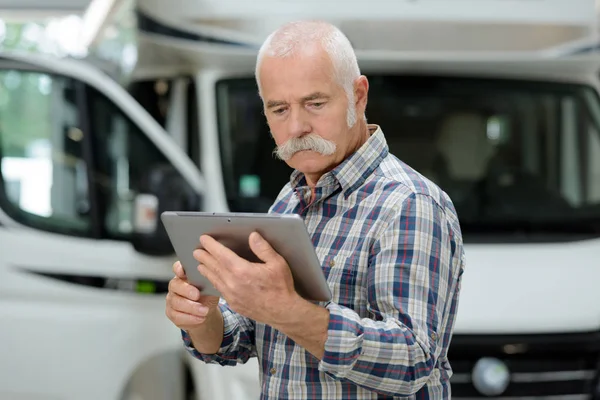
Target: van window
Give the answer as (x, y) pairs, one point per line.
(43, 172)
(512, 155)
(155, 95)
(72, 162)
(594, 165)
(592, 134)
(253, 176)
(123, 160)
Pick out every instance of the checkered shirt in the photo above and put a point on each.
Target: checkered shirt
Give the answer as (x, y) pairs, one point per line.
(391, 248)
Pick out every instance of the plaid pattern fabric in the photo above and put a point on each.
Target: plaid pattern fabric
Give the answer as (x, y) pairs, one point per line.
(391, 248)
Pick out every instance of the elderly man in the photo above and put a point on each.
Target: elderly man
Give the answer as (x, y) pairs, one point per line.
(389, 241)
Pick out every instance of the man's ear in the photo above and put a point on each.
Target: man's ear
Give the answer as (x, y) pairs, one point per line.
(361, 92)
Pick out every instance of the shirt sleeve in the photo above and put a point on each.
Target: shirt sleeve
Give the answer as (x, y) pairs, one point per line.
(411, 287)
(238, 344)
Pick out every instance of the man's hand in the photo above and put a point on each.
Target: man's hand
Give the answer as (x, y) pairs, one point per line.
(186, 307)
(263, 292)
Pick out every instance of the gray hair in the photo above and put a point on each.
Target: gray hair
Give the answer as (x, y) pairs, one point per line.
(293, 37)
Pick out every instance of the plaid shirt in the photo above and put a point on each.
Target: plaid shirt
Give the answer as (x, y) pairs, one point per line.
(391, 249)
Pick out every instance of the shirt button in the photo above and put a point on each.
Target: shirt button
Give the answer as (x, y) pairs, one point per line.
(331, 262)
(433, 336)
(273, 371)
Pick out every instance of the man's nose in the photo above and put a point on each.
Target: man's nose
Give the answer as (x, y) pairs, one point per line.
(298, 123)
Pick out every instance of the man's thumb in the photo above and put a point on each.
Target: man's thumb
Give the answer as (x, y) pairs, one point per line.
(261, 247)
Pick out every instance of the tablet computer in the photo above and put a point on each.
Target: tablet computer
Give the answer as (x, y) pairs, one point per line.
(286, 233)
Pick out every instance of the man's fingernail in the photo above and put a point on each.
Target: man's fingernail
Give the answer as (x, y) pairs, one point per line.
(202, 310)
(256, 238)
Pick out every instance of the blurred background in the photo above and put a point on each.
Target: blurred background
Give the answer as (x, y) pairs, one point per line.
(113, 111)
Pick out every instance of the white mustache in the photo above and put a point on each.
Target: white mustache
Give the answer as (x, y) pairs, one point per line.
(308, 142)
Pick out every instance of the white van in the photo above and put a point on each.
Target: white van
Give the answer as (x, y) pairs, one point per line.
(84, 261)
(514, 138)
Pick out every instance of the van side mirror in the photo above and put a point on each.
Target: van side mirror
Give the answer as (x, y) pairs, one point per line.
(164, 189)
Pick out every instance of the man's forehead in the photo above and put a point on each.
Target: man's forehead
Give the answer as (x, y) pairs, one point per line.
(315, 66)
(307, 55)
(295, 80)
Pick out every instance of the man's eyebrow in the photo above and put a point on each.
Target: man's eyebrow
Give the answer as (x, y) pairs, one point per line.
(310, 97)
(316, 96)
(275, 103)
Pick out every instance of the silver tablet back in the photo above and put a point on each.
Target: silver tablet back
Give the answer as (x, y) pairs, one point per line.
(285, 232)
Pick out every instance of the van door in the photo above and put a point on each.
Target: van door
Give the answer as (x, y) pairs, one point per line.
(82, 311)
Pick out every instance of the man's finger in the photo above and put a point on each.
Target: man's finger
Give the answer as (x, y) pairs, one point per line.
(212, 274)
(226, 257)
(263, 250)
(184, 289)
(182, 319)
(178, 270)
(185, 305)
(211, 268)
(203, 256)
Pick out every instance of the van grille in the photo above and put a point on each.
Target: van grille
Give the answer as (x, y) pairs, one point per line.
(557, 366)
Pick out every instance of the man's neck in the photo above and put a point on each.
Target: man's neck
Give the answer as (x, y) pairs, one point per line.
(361, 138)
(311, 180)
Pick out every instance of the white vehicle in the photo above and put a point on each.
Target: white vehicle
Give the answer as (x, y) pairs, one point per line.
(84, 262)
(513, 136)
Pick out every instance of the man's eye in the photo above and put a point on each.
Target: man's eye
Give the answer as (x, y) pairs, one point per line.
(278, 111)
(317, 105)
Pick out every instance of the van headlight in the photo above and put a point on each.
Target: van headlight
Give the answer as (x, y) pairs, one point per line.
(490, 376)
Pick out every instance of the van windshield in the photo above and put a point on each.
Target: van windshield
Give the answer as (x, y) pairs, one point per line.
(516, 157)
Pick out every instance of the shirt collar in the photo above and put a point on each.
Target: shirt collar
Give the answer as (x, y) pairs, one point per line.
(354, 170)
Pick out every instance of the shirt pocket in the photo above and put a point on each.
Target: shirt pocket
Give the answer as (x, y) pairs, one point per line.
(342, 271)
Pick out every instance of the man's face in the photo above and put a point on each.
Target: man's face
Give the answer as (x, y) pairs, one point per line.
(306, 107)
